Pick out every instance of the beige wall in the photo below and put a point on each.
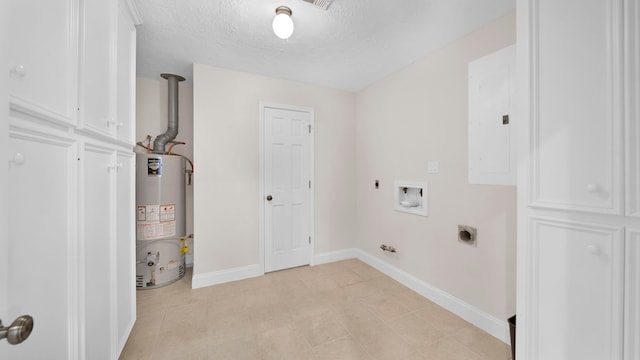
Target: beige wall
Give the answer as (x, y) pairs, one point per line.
(226, 134)
(152, 119)
(411, 117)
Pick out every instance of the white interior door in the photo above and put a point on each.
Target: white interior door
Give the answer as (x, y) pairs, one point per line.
(287, 187)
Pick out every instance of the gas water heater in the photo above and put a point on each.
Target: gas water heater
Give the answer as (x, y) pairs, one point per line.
(160, 201)
(161, 224)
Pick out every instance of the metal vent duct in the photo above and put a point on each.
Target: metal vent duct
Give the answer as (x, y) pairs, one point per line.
(172, 129)
(322, 4)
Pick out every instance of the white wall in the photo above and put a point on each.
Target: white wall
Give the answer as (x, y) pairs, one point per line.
(226, 126)
(152, 119)
(420, 114)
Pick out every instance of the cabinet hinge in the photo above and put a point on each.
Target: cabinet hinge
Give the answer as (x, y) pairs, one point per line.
(309, 184)
(309, 240)
(309, 128)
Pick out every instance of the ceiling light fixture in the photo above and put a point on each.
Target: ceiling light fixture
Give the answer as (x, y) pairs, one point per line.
(282, 23)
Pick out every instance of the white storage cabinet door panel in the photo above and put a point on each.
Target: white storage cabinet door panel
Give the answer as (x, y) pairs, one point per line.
(98, 67)
(632, 106)
(42, 244)
(632, 295)
(125, 246)
(577, 122)
(98, 251)
(126, 74)
(577, 291)
(43, 58)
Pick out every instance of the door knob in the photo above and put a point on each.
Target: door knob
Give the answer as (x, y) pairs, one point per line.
(269, 197)
(18, 331)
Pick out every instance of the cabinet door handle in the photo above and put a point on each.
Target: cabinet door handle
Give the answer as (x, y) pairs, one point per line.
(18, 71)
(593, 188)
(115, 123)
(115, 166)
(18, 159)
(593, 249)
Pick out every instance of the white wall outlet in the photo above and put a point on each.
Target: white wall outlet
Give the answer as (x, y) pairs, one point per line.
(433, 167)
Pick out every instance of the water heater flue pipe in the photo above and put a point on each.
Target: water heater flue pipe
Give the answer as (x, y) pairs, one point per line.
(161, 140)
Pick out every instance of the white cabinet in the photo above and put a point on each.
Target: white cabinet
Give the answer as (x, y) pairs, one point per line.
(97, 96)
(577, 118)
(98, 251)
(577, 271)
(109, 303)
(125, 248)
(108, 69)
(632, 107)
(43, 55)
(126, 65)
(42, 242)
(632, 295)
(578, 183)
(71, 176)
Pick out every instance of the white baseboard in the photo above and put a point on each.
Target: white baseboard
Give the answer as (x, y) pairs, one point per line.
(223, 276)
(334, 256)
(496, 327)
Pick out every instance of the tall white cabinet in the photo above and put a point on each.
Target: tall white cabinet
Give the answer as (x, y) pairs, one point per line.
(71, 176)
(579, 214)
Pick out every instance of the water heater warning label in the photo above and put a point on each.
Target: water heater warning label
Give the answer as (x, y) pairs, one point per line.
(152, 231)
(154, 166)
(156, 221)
(167, 212)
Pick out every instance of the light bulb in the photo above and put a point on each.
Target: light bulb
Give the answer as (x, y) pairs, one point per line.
(282, 23)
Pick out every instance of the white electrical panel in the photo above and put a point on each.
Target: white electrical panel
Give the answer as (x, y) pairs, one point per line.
(492, 147)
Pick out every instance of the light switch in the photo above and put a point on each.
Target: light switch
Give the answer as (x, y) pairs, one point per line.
(433, 167)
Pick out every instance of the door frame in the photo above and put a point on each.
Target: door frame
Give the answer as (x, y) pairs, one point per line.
(262, 106)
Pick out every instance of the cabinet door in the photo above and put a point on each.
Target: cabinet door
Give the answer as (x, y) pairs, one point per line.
(43, 56)
(577, 85)
(42, 244)
(126, 75)
(632, 296)
(125, 246)
(632, 108)
(98, 67)
(98, 251)
(576, 291)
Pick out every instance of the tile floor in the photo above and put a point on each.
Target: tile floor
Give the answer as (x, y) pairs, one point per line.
(343, 310)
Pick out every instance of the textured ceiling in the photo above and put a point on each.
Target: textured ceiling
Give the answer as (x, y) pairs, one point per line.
(349, 46)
